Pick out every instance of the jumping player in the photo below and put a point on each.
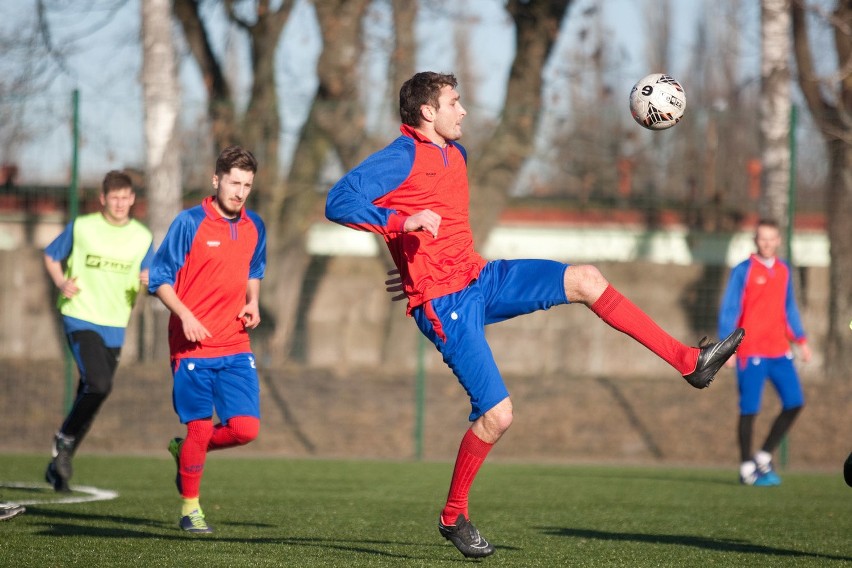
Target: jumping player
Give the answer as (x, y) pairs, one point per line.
(208, 272)
(107, 255)
(414, 193)
(759, 297)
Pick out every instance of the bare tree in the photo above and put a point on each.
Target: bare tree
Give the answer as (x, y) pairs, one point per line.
(537, 26)
(829, 99)
(775, 108)
(20, 78)
(162, 107)
(335, 126)
(259, 129)
(658, 27)
(162, 142)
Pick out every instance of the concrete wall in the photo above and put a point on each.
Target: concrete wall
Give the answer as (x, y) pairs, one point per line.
(351, 322)
(347, 329)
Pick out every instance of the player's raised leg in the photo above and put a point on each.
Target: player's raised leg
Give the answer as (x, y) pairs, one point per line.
(585, 284)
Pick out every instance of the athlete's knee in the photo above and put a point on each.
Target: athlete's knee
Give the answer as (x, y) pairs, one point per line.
(497, 420)
(584, 283)
(199, 431)
(244, 428)
(793, 411)
(98, 385)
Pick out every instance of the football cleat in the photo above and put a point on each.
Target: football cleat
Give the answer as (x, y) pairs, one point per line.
(712, 357)
(758, 475)
(174, 449)
(847, 469)
(9, 511)
(767, 479)
(766, 476)
(60, 469)
(466, 538)
(51, 475)
(195, 523)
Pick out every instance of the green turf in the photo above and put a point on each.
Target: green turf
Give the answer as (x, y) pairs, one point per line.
(274, 512)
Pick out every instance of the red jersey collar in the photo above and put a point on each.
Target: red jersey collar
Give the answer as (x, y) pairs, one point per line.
(411, 132)
(212, 214)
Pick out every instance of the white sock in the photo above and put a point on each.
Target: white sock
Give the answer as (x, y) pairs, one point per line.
(748, 471)
(763, 461)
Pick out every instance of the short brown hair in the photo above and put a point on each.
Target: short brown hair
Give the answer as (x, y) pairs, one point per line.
(115, 180)
(235, 157)
(422, 89)
(767, 222)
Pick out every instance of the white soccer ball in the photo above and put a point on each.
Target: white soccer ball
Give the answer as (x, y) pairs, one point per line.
(657, 101)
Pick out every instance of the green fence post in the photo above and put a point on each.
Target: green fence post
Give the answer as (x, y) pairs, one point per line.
(73, 209)
(784, 450)
(420, 397)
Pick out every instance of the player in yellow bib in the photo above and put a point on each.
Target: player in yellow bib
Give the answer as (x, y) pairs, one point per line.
(98, 263)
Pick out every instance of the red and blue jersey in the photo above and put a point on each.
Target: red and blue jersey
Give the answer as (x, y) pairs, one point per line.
(760, 299)
(410, 175)
(209, 260)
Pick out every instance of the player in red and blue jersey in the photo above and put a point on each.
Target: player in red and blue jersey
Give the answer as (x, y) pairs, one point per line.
(207, 272)
(414, 193)
(759, 297)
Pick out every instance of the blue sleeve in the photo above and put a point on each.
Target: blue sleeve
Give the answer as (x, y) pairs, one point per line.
(171, 254)
(60, 247)
(794, 320)
(149, 258)
(350, 201)
(257, 268)
(732, 300)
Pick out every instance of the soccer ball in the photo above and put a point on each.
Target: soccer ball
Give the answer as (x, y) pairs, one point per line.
(657, 101)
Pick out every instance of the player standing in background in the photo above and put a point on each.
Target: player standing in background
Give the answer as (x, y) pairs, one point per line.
(759, 298)
(415, 194)
(107, 255)
(207, 272)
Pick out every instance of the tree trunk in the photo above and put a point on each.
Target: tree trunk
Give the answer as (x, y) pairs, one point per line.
(838, 345)
(495, 169)
(829, 115)
(162, 146)
(335, 122)
(220, 103)
(775, 110)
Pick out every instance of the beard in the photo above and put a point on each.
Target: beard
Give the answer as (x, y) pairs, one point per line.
(227, 207)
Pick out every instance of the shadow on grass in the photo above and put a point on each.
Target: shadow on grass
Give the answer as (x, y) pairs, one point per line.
(718, 544)
(643, 473)
(90, 525)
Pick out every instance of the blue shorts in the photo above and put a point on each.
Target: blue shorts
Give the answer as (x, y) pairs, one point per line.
(227, 384)
(455, 323)
(752, 374)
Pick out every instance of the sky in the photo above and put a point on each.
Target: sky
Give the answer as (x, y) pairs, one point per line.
(105, 62)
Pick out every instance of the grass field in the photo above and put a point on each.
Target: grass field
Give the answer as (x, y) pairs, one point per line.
(275, 512)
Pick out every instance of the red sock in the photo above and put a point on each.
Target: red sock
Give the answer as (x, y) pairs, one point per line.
(472, 453)
(193, 453)
(238, 431)
(623, 315)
